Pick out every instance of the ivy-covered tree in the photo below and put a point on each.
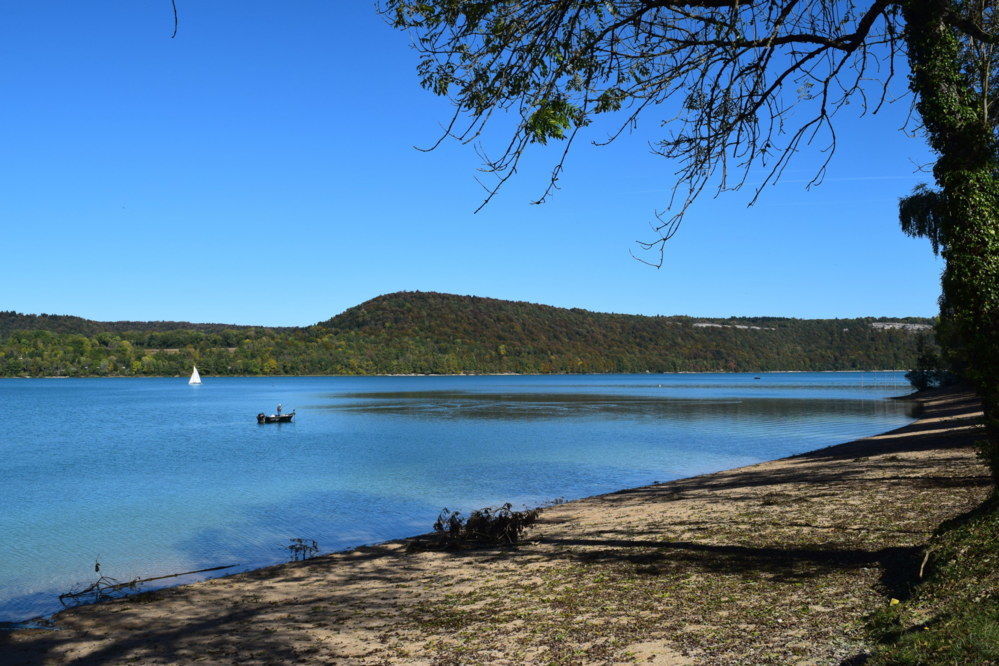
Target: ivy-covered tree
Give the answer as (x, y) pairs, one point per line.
(746, 84)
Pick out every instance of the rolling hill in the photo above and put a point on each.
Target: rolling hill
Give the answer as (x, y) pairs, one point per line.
(427, 332)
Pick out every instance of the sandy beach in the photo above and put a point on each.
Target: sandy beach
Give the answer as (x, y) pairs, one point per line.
(774, 563)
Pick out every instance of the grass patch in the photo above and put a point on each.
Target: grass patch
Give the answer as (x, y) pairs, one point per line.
(953, 616)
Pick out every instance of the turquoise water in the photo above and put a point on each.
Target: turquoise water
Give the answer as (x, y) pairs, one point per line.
(154, 477)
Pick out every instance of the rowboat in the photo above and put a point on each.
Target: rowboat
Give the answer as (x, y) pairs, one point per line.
(275, 418)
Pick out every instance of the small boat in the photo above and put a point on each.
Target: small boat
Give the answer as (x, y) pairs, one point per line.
(195, 377)
(275, 418)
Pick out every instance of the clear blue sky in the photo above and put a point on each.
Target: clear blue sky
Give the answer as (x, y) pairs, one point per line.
(259, 169)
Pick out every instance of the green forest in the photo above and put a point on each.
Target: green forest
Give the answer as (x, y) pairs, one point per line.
(432, 333)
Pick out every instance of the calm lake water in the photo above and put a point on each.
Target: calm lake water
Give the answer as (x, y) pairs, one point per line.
(154, 477)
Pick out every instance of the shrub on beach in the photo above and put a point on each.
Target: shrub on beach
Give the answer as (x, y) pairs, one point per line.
(927, 379)
(931, 369)
(488, 526)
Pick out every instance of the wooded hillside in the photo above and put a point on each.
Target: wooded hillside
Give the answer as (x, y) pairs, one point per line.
(426, 332)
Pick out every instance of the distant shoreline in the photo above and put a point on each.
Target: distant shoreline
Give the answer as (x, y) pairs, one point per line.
(417, 333)
(470, 374)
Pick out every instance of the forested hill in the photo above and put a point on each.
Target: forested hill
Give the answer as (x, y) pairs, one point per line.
(514, 335)
(11, 321)
(421, 332)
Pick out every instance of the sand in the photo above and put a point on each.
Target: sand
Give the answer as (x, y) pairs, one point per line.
(774, 563)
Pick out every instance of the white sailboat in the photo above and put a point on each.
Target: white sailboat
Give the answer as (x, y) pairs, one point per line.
(195, 377)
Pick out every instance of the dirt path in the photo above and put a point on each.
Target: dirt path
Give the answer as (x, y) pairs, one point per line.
(778, 562)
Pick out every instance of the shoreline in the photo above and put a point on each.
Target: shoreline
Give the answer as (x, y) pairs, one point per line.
(472, 374)
(941, 434)
(240, 568)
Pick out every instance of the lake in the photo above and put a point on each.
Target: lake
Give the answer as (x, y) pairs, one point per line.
(153, 477)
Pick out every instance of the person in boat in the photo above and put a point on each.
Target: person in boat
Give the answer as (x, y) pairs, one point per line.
(279, 409)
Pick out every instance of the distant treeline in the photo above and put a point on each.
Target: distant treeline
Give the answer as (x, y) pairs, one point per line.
(11, 322)
(419, 332)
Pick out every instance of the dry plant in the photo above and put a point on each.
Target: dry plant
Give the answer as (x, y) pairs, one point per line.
(488, 526)
(302, 549)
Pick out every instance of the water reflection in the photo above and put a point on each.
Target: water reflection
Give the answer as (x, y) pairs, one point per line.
(525, 406)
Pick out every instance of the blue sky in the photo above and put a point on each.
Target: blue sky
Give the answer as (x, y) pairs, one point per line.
(260, 168)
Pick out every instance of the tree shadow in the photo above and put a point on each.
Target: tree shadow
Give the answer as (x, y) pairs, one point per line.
(898, 564)
(245, 634)
(245, 631)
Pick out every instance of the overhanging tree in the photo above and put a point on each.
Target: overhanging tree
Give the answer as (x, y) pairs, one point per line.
(747, 83)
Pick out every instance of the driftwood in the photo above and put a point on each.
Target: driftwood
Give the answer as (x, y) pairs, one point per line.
(926, 558)
(106, 588)
(185, 573)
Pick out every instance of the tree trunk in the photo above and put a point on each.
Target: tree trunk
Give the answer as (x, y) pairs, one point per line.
(966, 172)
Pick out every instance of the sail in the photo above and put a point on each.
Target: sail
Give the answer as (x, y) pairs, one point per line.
(195, 377)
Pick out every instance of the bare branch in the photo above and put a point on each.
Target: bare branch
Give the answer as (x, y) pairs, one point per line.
(745, 83)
